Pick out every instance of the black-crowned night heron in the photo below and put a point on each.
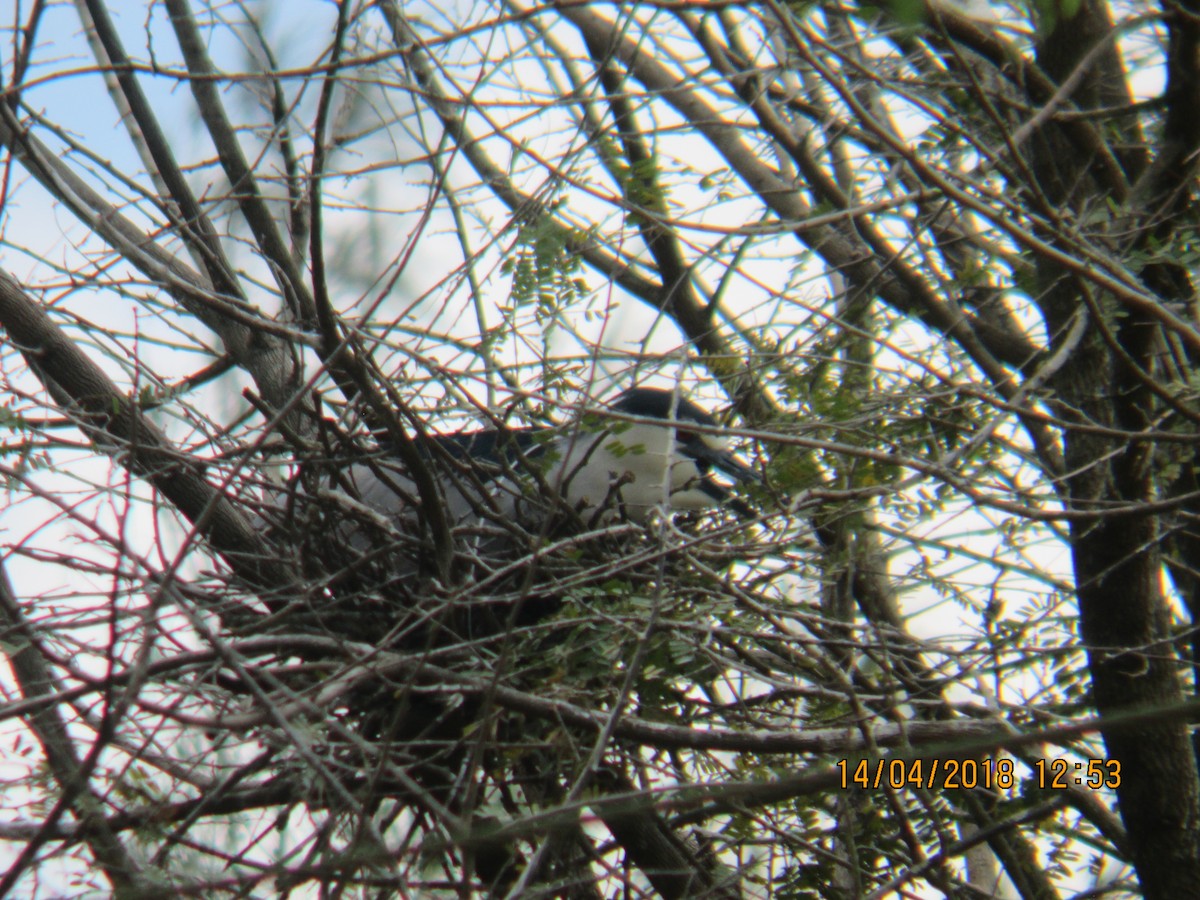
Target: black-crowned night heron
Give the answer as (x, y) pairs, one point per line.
(651, 450)
(656, 450)
(356, 522)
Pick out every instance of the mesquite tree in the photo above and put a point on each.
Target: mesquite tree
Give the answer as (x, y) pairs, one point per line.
(931, 264)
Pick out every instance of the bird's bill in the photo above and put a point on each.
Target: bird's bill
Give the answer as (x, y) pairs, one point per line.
(723, 459)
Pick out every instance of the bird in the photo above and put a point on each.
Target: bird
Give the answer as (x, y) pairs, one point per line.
(651, 450)
(648, 455)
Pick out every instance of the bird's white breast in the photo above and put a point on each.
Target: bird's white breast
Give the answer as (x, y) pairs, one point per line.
(632, 469)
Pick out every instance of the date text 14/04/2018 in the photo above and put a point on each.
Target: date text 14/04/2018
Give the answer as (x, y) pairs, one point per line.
(951, 774)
